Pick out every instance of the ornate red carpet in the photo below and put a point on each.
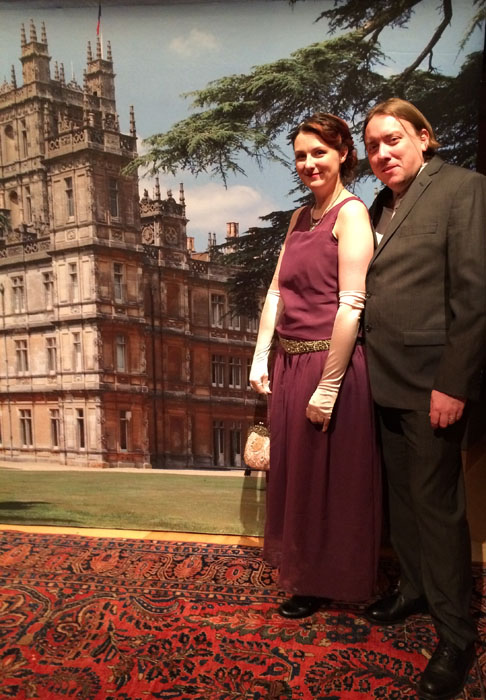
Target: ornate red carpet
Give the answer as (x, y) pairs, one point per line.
(97, 619)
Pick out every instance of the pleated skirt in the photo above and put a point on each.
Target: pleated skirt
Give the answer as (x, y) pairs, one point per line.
(324, 495)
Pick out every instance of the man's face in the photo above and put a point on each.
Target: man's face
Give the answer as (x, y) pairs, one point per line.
(395, 150)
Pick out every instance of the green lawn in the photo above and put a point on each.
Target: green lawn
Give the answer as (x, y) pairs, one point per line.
(134, 501)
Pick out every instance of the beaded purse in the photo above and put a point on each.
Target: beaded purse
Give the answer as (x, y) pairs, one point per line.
(257, 448)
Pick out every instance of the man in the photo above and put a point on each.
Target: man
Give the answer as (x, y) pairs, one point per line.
(425, 328)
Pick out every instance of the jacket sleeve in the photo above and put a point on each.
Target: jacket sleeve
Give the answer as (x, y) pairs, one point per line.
(464, 355)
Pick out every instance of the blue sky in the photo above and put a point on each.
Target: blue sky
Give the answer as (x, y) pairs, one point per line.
(160, 52)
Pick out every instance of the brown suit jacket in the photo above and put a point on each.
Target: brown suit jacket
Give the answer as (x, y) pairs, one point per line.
(425, 316)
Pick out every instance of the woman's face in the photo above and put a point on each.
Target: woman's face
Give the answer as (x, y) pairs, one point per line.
(317, 164)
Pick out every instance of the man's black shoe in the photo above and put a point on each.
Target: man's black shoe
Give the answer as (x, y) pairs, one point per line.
(446, 673)
(394, 608)
(300, 606)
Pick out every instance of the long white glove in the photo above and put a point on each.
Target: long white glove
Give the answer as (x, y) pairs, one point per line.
(344, 332)
(271, 311)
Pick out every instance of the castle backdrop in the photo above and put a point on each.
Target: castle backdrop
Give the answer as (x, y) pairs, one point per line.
(117, 346)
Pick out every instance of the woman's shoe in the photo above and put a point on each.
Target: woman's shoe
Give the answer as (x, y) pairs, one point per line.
(300, 606)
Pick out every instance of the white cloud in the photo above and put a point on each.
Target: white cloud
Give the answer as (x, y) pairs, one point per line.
(194, 43)
(210, 207)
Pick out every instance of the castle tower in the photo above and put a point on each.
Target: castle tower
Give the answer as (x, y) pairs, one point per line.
(35, 56)
(100, 78)
(118, 347)
(73, 362)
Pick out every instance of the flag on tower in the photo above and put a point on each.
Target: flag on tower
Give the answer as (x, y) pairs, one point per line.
(99, 20)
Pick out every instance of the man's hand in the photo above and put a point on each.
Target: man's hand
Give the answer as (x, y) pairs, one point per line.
(444, 409)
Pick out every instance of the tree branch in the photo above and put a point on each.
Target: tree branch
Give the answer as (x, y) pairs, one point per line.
(428, 50)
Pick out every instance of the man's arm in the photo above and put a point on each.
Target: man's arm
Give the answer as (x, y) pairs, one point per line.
(457, 377)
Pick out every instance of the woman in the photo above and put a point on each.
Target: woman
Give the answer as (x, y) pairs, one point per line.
(324, 493)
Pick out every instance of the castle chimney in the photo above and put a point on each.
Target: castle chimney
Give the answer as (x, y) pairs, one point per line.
(232, 228)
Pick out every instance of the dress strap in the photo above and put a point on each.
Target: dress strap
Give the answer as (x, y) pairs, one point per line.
(334, 210)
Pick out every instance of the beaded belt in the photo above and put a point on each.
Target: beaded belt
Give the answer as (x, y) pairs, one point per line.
(297, 347)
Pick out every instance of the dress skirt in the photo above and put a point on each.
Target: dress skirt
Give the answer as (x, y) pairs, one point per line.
(324, 498)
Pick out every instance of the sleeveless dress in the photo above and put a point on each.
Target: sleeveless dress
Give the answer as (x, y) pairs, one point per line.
(323, 521)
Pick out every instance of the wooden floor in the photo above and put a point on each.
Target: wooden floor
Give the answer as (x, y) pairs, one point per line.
(478, 548)
(139, 534)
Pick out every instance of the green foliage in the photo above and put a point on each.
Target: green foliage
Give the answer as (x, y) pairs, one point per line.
(454, 100)
(253, 257)
(250, 114)
(476, 21)
(246, 114)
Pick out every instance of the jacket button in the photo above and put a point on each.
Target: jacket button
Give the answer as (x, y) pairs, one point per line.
(368, 294)
(368, 328)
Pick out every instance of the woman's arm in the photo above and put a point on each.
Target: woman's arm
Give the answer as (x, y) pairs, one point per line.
(271, 311)
(355, 248)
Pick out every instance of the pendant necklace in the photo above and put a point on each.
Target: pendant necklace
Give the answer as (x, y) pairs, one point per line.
(315, 222)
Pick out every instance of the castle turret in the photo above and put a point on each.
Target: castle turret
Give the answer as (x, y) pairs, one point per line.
(100, 78)
(35, 56)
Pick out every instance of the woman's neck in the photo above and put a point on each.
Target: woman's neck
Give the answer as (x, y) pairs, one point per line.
(323, 204)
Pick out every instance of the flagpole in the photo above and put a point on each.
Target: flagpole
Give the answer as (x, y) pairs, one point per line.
(98, 28)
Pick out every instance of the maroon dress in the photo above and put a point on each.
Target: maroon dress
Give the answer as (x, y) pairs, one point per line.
(323, 521)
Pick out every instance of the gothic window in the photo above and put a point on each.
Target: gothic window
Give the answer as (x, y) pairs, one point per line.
(119, 286)
(55, 427)
(235, 322)
(217, 370)
(114, 198)
(18, 295)
(235, 372)
(248, 370)
(48, 283)
(26, 433)
(9, 143)
(28, 205)
(80, 429)
(51, 349)
(23, 139)
(235, 445)
(121, 353)
(218, 442)
(217, 310)
(73, 282)
(21, 356)
(69, 197)
(125, 430)
(252, 325)
(15, 213)
(77, 355)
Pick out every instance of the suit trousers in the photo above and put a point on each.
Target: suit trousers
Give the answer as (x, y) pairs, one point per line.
(428, 525)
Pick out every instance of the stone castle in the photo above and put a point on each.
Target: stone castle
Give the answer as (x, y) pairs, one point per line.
(117, 344)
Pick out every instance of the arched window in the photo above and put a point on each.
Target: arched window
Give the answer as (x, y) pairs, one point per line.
(10, 153)
(13, 204)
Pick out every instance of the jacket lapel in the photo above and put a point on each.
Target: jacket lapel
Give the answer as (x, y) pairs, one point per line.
(416, 190)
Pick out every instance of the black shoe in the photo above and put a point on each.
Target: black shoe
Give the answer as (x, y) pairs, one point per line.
(394, 608)
(446, 673)
(300, 606)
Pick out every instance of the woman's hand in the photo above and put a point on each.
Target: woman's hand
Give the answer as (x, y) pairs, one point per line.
(259, 375)
(319, 408)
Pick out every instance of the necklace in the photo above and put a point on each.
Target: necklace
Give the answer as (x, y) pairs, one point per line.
(316, 222)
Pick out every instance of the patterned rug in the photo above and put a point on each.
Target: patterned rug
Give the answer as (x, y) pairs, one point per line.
(98, 619)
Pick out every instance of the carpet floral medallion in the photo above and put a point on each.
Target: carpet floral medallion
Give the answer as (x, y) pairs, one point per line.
(98, 619)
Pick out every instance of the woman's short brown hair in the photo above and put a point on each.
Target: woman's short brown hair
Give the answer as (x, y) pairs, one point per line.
(335, 132)
(402, 109)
